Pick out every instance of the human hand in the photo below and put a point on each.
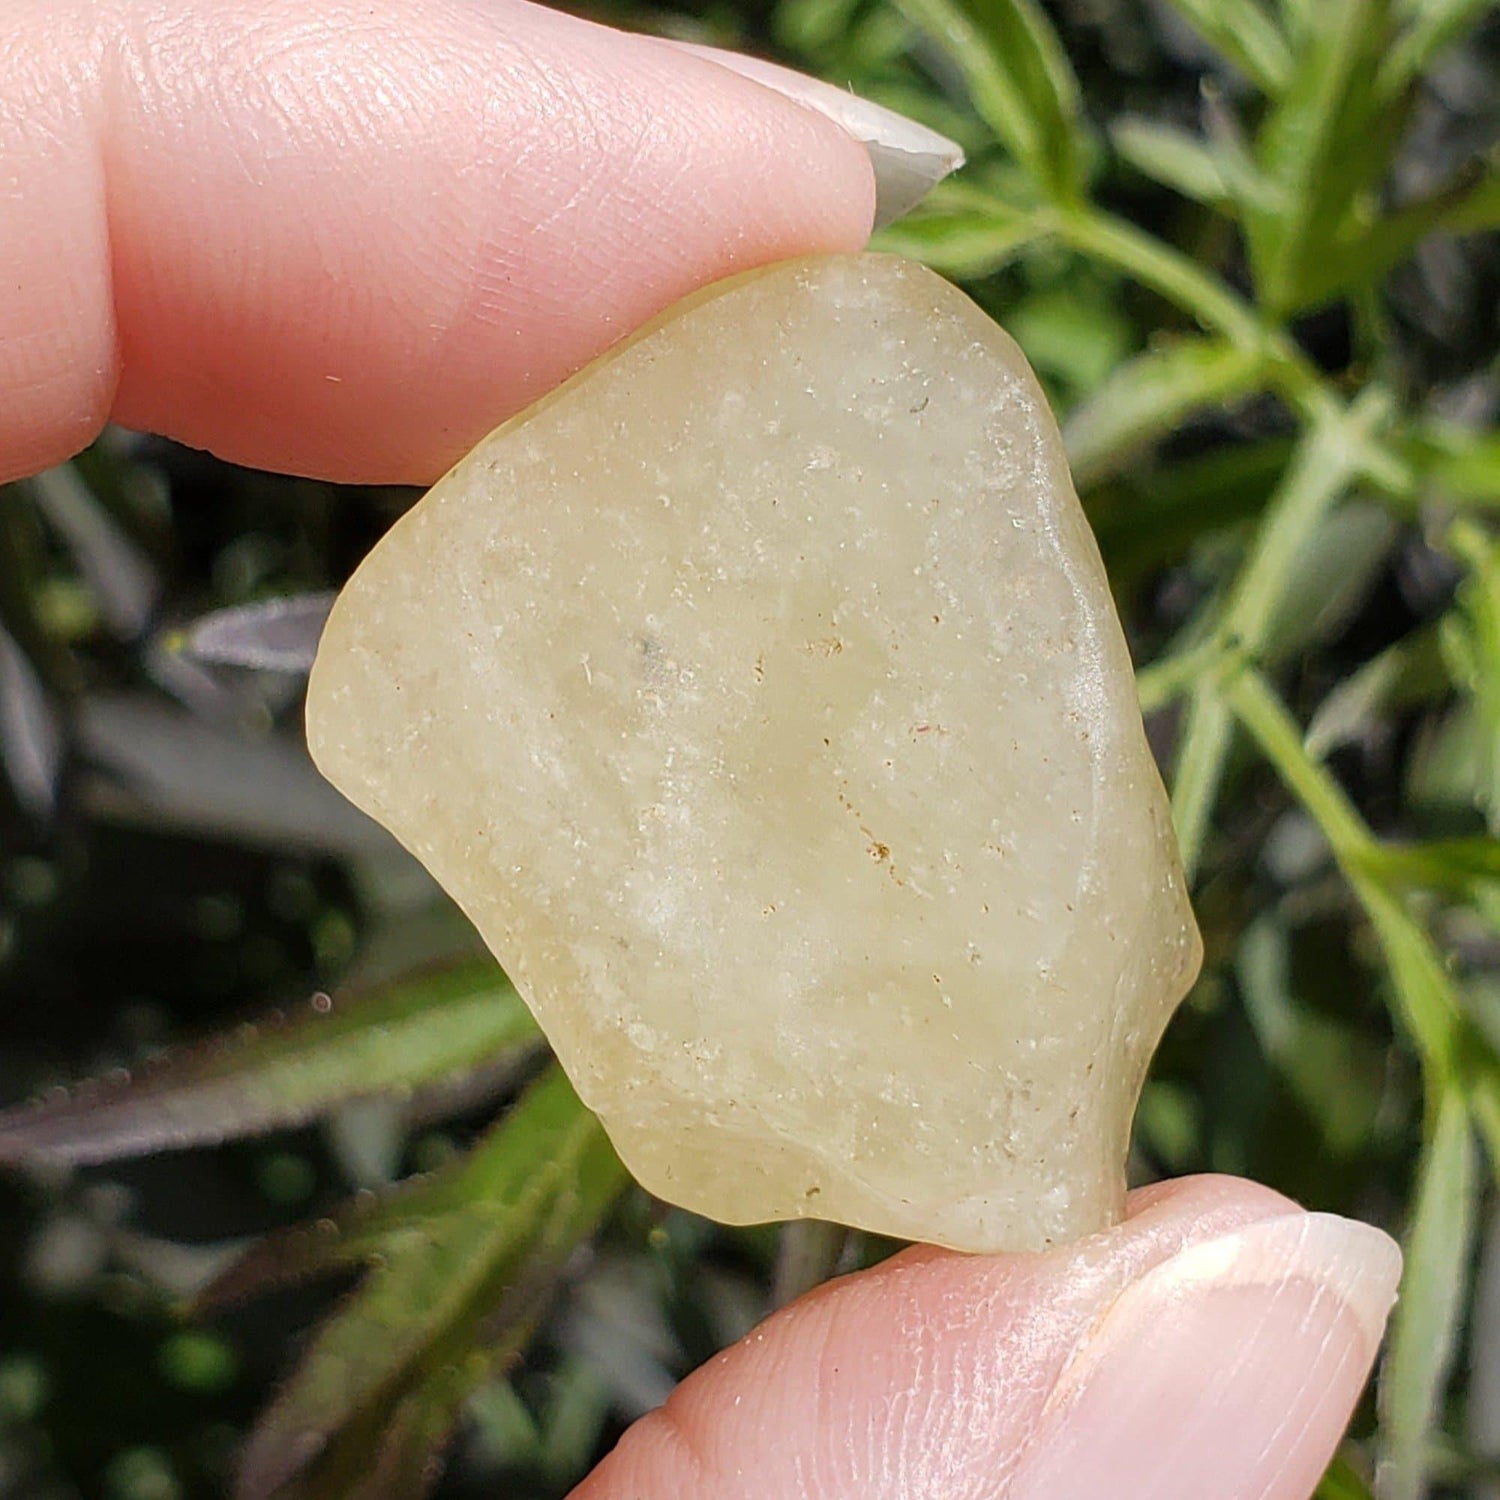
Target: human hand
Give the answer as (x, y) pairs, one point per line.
(1211, 1346)
(346, 240)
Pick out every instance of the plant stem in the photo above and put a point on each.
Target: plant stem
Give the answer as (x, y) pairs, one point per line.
(1154, 263)
(1428, 1001)
(1326, 462)
(1200, 765)
(1167, 678)
(1266, 717)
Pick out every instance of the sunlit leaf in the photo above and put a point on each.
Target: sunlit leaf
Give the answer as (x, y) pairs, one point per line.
(1447, 780)
(1463, 464)
(1019, 78)
(402, 1035)
(813, 25)
(1244, 32)
(1297, 17)
(1329, 138)
(1324, 463)
(1425, 1327)
(452, 1297)
(1150, 396)
(964, 243)
(1425, 1000)
(1175, 158)
(1258, 199)
(1460, 867)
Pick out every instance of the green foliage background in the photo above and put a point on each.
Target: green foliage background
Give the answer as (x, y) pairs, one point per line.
(1251, 246)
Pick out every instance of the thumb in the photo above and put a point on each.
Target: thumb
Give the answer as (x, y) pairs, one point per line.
(1214, 1344)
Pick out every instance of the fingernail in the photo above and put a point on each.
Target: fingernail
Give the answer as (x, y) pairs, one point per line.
(1228, 1370)
(909, 160)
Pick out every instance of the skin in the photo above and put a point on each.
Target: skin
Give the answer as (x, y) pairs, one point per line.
(345, 240)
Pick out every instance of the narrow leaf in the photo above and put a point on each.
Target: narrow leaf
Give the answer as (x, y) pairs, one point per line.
(120, 576)
(1326, 462)
(1331, 577)
(273, 635)
(169, 766)
(1259, 200)
(1297, 18)
(1019, 79)
(356, 1234)
(1426, 1001)
(1360, 258)
(1207, 735)
(1071, 336)
(31, 735)
(1149, 396)
(1464, 465)
(1479, 606)
(448, 1303)
(809, 1253)
(1328, 139)
(964, 245)
(1424, 1331)
(1434, 25)
(1246, 35)
(402, 1035)
(1175, 158)
(1461, 867)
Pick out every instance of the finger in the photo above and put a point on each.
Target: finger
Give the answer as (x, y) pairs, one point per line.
(1214, 1344)
(346, 239)
(908, 158)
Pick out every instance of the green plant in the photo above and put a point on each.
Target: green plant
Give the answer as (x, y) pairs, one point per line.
(1336, 786)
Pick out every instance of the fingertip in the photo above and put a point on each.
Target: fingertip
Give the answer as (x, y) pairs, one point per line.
(931, 1373)
(1230, 1368)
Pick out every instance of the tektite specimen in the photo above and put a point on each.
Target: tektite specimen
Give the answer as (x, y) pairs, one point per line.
(760, 697)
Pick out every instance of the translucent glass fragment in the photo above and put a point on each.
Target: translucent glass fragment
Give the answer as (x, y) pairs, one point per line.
(760, 697)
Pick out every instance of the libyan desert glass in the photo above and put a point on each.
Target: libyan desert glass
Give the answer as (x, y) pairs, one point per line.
(760, 697)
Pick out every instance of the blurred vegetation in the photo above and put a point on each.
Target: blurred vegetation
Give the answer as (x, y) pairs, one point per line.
(1252, 248)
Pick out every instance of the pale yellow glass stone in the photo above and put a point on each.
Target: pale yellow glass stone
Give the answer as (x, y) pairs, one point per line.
(760, 697)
